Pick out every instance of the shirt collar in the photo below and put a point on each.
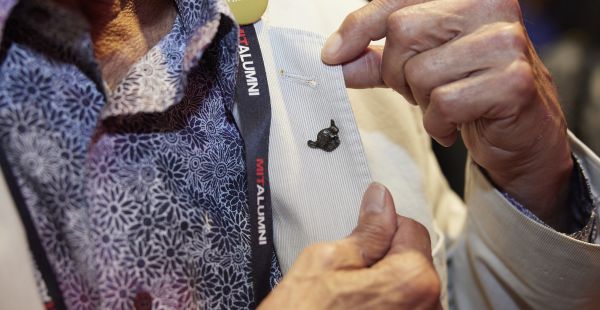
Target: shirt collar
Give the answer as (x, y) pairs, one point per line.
(64, 35)
(53, 31)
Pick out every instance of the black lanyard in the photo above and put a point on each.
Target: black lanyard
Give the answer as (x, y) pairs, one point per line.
(254, 106)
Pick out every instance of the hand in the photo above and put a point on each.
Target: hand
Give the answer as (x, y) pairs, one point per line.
(472, 69)
(385, 263)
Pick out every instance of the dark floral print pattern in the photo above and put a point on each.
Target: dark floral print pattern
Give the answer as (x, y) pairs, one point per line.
(139, 189)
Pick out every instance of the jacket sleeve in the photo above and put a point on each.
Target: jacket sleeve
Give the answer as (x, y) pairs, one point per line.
(17, 282)
(506, 260)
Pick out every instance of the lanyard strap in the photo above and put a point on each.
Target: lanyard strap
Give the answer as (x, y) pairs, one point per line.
(254, 108)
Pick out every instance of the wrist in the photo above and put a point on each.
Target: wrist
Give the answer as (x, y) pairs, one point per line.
(541, 183)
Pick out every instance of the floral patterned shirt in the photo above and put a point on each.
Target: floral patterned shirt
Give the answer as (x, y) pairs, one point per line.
(136, 195)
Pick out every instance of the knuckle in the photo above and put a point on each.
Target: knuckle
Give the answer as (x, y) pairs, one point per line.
(439, 96)
(400, 28)
(512, 37)
(521, 80)
(445, 102)
(415, 72)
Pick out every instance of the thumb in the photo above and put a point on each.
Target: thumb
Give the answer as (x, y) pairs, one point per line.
(365, 71)
(359, 29)
(377, 224)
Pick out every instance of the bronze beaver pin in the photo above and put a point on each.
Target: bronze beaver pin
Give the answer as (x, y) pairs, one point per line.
(327, 139)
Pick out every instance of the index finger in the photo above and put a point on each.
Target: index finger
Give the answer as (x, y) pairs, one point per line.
(412, 31)
(410, 236)
(359, 28)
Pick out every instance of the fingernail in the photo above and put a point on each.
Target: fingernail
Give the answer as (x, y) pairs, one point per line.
(374, 200)
(332, 46)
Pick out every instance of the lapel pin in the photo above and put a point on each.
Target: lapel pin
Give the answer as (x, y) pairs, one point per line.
(327, 139)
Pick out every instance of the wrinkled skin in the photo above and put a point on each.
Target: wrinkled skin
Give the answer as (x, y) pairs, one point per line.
(385, 263)
(473, 71)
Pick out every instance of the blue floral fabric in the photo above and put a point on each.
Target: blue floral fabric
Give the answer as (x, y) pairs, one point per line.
(142, 189)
